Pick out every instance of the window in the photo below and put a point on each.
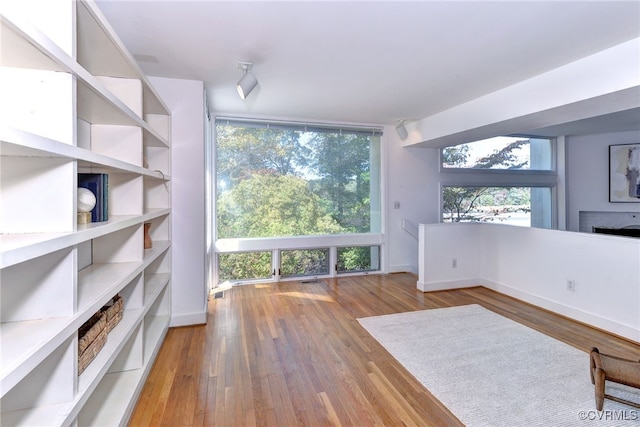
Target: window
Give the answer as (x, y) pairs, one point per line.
(285, 180)
(358, 259)
(304, 262)
(244, 266)
(507, 180)
(295, 192)
(500, 205)
(504, 152)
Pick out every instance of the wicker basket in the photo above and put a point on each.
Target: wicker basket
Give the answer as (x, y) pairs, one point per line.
(92, 336)
(113, 312)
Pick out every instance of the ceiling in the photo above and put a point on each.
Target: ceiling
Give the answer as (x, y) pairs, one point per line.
(367, 62)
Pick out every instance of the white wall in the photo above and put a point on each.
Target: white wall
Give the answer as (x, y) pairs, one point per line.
(534, 265)
(449, 256)
(411, 176)
(588, 174)
(185, 99)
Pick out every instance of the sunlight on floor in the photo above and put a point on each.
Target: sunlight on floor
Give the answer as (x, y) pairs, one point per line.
(303, 295)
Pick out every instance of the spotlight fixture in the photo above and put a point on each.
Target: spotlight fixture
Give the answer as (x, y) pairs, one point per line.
(402, 130)
(247, 82)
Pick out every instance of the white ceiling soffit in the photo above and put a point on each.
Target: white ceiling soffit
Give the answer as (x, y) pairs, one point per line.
(605, 83)
(368, 62)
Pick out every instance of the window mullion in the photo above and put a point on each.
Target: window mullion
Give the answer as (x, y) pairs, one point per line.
(275, 262)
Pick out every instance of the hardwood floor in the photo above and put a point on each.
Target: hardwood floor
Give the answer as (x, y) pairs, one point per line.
(293, 354)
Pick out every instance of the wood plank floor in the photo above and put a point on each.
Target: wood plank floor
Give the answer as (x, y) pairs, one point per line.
(293, 354)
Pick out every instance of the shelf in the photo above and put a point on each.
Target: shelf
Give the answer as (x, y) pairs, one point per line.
(17, 248)
(40, 416)
(18, 143)
(159, 247)
(156, 320)
(31, 342)
(91, 378)
(154, 333)
(153, 213)
(65, 412)
(24, 46)
(114, 397)
(153, 285)
(98, 283)
(96, 104)
(102, 54)
(113, 400)
(75, 101)
(116, 340)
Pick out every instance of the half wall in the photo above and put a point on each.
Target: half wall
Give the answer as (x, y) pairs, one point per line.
(537, 266)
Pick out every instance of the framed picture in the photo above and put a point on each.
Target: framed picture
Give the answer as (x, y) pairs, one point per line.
(624, 173)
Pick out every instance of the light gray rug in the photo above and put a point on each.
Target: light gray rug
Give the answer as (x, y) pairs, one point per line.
(491, 371)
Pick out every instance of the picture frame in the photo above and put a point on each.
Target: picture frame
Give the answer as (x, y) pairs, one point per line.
(624, 173)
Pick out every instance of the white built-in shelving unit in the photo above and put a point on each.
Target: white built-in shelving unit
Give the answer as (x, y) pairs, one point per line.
(73, 100)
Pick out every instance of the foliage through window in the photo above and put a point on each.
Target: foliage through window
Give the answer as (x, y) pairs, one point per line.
(358, 259)
(244, 266)
(504, 152)
(286, 181)
(304, 262)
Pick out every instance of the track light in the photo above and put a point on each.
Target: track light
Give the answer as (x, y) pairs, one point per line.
(402, 130)
(247, 82)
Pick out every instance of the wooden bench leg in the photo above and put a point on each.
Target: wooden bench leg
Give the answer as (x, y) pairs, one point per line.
(599, 382)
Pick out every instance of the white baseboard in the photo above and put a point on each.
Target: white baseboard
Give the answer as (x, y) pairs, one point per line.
(571, 312)
(188, 319)
(448, 285)
(564, 310)
(403, 269)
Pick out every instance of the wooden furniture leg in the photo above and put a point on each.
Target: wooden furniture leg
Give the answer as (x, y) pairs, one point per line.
(604, 368)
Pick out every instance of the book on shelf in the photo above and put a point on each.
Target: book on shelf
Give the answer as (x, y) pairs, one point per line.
(98, 184)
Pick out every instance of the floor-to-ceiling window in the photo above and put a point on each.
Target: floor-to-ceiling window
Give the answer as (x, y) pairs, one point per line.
(296, 200)
(508, 180)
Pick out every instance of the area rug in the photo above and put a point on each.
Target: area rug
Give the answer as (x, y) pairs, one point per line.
(492, 371)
